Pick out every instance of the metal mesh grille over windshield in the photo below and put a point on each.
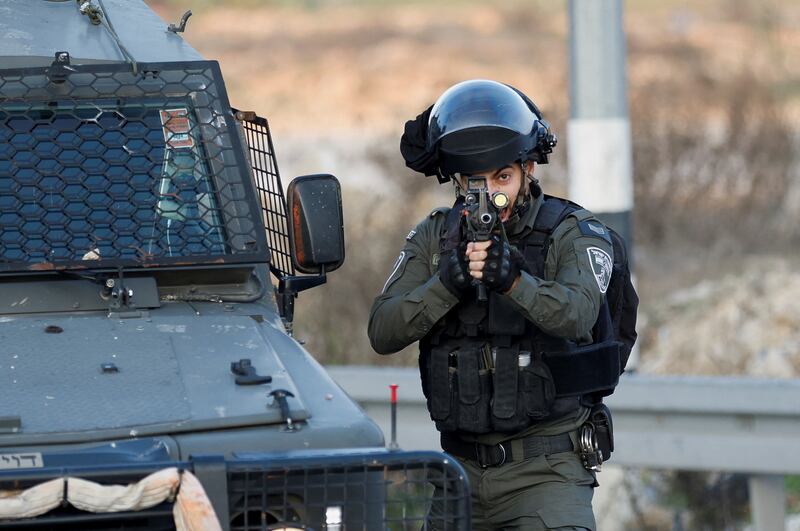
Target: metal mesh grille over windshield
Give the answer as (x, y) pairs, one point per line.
(102, 166)
(270, 192)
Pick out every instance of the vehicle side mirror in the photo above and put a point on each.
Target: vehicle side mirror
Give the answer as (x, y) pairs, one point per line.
(316, 224)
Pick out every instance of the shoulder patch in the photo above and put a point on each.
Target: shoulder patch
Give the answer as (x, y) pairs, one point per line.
(602, 266)
(440, 211)
(411, 234)
(595, 229)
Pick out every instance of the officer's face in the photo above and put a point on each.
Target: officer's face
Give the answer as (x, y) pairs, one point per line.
(508, 180)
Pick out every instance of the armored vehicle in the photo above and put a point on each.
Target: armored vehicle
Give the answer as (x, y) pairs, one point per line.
(148, 272)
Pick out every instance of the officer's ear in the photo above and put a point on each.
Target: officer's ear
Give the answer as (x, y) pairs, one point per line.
(528, 167)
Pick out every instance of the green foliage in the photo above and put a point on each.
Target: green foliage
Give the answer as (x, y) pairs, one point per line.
(408, 495)
(792, 485)
(706, 501)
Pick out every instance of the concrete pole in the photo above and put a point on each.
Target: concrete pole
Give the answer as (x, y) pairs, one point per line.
(599, 132)
(767, 502)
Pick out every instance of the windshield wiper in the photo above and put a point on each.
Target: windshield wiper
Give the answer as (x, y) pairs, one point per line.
(81, 274)
(113, 285)
(72, 272)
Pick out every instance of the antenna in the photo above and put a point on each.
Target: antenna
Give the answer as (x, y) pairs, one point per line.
(393, 445)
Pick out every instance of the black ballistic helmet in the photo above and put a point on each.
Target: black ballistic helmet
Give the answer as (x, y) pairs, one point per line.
(481, 125)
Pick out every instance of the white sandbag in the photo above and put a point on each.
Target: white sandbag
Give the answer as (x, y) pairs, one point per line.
(148, 492)
(193, 510)
(33, 501)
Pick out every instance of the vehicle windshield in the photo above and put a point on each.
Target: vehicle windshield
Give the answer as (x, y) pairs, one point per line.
(123, 168)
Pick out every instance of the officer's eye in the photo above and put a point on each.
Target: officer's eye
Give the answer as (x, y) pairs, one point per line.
(504, 177)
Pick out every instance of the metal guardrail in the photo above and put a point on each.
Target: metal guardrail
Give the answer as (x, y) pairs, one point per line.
(730, 424)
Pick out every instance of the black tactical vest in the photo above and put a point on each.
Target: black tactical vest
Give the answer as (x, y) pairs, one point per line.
(485, 368)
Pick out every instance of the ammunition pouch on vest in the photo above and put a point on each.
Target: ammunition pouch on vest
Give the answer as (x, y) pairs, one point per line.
(486, 368)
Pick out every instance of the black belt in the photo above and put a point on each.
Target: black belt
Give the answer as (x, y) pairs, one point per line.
(487, 455)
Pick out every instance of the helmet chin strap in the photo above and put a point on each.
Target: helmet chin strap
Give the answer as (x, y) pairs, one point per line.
(459, 191)
(523, 197)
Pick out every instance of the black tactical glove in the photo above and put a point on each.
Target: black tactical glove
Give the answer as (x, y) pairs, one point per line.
(454, 270)
(502, 265)
(413, 145)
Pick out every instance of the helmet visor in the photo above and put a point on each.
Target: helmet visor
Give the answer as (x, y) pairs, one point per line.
(479, 103)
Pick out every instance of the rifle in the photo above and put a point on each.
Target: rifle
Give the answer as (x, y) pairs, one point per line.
(481, 215)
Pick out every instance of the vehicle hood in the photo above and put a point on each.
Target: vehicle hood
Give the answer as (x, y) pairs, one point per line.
(78, 378)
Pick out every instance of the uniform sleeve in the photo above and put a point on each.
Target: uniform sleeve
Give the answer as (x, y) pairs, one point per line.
(578, 269)
(413, 298)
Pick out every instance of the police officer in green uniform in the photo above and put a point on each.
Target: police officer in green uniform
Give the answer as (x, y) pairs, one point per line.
(508, 379)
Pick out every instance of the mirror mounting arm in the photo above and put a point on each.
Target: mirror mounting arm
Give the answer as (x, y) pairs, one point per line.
(289, 287)
(316, 237)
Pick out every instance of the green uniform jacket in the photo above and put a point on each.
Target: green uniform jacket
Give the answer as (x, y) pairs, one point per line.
(564, 303)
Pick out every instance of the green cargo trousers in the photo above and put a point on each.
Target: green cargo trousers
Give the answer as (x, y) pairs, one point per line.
(544, 492)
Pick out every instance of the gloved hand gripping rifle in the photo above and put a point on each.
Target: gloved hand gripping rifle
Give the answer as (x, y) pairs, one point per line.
(481, 214)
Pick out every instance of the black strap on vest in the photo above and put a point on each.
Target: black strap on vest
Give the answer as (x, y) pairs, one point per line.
(552, 212)
(452, 236)
(592, 369)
